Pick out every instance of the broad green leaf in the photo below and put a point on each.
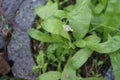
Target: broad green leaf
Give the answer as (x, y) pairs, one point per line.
(47, 11)
(115, 58)
(100, 6)
(68, 73)
(80, 43)
(93, 38)
(58, 38)
(92, 78)
(93, 2)
(79, 18)
(104, 2)
(113, 44)
(98, 15)
(55, 26)
(80, 58)
(38, 35)
(75, 63)
(97, 19)
(61, 14)
(97, 23)
(51, 75)
(112, 16)
(69, 8)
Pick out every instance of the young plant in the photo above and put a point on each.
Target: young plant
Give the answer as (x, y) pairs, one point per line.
(74, 33)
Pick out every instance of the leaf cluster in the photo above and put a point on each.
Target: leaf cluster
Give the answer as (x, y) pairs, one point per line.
(74, 33)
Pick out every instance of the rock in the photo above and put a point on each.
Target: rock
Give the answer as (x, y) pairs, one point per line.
(19, 48)
(2, 41)
(109, 74)
(10, 7)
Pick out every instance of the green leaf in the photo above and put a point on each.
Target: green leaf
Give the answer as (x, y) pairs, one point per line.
(61, 14)
(99, 8)
(80, 43)
(92, 78)
(55, 26)
(80, 58)
(51, 50)
(38, 35)
(40, 58)
(79, 18)
(51, 75)
(47, 11)
(93, 38)
(113, 44)
(53, 47)
(58, 38)
(104, 2)
(68, 73)
(75, 63)
(96, 23)
(115, 58)
(112, 16)
(100, 63)
(36, 69)
(97, 19)
(69, 8)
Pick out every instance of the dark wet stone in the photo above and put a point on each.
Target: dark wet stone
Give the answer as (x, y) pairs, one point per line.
(109, 74)
(2, 41)
(19, 48)
(10, 7)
